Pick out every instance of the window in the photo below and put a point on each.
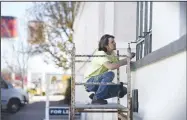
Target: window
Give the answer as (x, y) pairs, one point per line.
(3, 84)
(144, 29)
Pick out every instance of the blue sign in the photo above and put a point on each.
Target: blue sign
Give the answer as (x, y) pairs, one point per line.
(60, 111)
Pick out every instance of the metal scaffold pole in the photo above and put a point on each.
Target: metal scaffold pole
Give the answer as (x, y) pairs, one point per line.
(118, 80)
(72, 105)
(129, 84)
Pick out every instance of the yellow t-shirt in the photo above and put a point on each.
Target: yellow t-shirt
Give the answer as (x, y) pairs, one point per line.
(97, 67)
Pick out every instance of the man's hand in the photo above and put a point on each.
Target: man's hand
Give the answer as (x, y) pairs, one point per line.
(132, 55)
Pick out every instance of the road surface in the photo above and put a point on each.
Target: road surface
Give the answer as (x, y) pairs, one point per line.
(35, 110)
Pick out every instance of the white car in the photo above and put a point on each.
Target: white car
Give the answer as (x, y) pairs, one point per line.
(11, 98)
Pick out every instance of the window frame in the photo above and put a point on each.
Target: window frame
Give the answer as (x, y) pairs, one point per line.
(144, 29)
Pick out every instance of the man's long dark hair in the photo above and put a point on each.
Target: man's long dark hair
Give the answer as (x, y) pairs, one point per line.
(104, 42)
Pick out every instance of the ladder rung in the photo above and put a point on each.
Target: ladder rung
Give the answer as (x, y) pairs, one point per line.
(97, 55)
(99, 111)
(97, 83)
(122, 116)
(106, 106)
(82, 61)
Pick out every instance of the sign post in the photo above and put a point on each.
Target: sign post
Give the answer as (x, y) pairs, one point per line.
(55, 110)
(47, 99)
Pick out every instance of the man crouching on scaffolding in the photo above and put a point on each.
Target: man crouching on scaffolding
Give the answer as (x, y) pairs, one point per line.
(99, 72)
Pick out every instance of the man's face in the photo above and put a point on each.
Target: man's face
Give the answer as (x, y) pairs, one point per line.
(111, 44)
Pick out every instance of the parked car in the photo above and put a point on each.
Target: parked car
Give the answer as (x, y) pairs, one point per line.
(12, 98)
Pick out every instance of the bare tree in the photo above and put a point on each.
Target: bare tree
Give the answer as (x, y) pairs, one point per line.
(18, 63)
(54, 37)
(10, 66)
(57, 19)
(24, 52)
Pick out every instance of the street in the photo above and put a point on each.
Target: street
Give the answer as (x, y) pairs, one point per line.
(35, 110)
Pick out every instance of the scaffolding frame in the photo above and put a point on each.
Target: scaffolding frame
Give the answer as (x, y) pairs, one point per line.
(117, 108)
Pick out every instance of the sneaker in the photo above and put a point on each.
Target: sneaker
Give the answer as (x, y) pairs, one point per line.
(122, 92)
(99, 102)
(91, 96)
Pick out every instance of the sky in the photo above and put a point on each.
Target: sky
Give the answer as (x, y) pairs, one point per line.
(18, 10)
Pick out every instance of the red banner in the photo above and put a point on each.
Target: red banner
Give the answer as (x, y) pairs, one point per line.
(8, 27)
(36, 32)
(18, 77)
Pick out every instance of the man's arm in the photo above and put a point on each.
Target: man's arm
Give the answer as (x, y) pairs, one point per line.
(113, 66)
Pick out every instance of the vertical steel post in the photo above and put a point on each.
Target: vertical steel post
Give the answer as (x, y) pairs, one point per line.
(137, 21)
(141, 49)
(128, 83)
(146, 40)
(150, 43)
(150, 17)
(47, 98)
(118, 80)
(145, 18)
(150, 27)
(72, 106)
(145, 28)
(141, 19)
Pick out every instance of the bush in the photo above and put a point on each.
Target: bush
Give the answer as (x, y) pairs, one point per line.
(68, 93)
(32, 91)
(43, 94)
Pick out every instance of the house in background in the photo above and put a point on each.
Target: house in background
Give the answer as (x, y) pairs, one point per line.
(159, 71)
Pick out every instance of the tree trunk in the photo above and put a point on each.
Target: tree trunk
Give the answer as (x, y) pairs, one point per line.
(67, 99)
(22, 84)
(68, 92)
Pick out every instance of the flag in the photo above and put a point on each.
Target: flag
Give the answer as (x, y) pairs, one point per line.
(8, 27)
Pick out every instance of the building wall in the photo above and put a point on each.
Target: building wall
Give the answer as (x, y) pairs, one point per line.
(86, 35)
(86, 30)
(95, 19)
(159, 90)
(166, 23)
(183, 18)
(125, 21)
(162, 84)
(89, 18)
(41, 68)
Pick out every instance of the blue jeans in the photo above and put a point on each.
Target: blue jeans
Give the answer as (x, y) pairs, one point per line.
(103, 91)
